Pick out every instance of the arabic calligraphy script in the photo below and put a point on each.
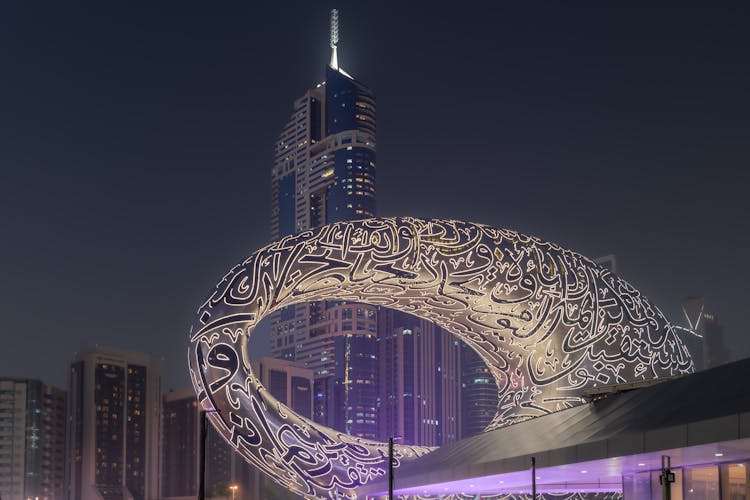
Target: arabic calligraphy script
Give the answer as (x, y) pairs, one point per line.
(547, 321)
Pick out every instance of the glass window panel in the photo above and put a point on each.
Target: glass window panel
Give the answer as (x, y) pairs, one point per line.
(636, 486)
(735, 483)
(701, 483)
(627, 486)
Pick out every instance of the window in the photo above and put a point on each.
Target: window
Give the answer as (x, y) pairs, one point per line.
(701, 483)
(734, 481)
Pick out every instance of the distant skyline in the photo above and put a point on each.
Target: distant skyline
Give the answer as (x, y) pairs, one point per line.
(136, 147)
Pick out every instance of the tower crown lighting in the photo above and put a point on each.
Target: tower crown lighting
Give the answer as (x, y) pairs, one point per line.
(334, 38)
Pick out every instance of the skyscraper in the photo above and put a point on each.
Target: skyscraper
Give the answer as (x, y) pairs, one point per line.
(114, 425)
(478, 393)
(181, 436)
(32, 440)
(420, 391)
(705, 337)
(324, 172)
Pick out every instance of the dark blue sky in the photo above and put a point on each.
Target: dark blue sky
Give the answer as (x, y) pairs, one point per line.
(136, 143)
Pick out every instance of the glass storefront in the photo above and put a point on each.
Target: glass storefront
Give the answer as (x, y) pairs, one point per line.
(729, 481)
(636, 485)
(702, 483)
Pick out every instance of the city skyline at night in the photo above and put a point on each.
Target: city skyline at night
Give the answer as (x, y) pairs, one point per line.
(426, 283)
(117, 150)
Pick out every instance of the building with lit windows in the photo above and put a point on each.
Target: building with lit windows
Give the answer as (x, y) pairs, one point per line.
(478, 393)
(32, 440)
(114, 425)
(420, 394)
(325, 171)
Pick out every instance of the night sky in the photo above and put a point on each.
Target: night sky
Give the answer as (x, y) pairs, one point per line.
(136, 147)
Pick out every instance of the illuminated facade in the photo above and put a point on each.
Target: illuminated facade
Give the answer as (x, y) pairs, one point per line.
(114, 426)
(324, 172)
(548, 322)
(32, 440)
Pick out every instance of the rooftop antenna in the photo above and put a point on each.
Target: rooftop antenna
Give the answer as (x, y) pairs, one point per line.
(334, 38)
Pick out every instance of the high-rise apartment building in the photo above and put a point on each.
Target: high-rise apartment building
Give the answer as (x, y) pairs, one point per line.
(419, 381)
(114, 417)
(32, 440)
(324, 172)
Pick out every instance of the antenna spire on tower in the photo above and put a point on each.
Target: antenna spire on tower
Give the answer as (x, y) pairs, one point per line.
(334, 38)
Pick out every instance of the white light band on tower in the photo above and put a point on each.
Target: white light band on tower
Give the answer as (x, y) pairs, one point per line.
(334, 38)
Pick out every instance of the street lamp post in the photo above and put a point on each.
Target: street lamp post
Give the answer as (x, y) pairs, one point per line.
(390, 468)
(234, 490)
(202, 475)
(667, 477)
(391, 439)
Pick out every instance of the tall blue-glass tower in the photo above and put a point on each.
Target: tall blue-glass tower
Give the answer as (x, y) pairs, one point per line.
(324, 172)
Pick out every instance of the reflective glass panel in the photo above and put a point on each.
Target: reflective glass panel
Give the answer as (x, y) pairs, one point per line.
(735, 484)
(701, 483)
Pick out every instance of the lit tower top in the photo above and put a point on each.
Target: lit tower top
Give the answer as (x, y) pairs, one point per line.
(335, 42)
(334, 38)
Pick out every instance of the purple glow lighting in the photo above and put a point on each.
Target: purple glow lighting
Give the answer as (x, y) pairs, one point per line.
(599, 476)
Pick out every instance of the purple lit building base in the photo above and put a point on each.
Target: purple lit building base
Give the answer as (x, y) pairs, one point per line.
(606, 449)
(633, 477)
